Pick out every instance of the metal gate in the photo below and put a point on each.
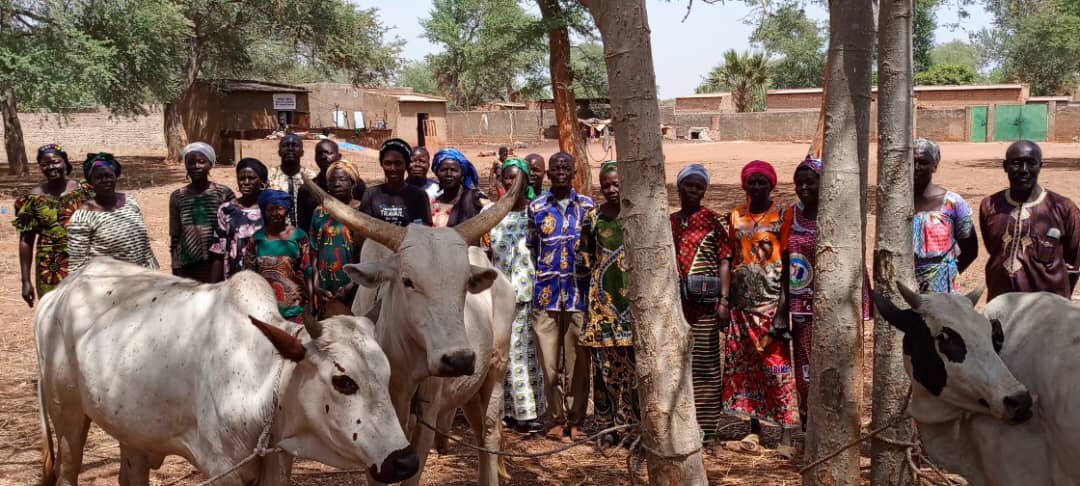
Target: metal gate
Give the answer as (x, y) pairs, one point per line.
(1014, 122)
(978, 123)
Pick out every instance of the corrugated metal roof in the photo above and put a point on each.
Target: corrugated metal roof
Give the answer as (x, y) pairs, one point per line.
(420, 98)
(241, 85)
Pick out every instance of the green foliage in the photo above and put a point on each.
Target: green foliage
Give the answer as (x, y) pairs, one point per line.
(924, 21)
(418, 76)
(956, 52)
(746, 75)
(796, 43)
(1036, 42)
(492, 50)
(946, 74)
(590, 72)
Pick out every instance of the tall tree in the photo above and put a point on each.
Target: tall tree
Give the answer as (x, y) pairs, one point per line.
(893, 255)
(836, 369)
(924, 22)
(328, 36)
(490, 51)
(746, 75)
(956, 52)
(661, 343)
(797, 46)
(59, 55)
(418, 76)
(1036, 42)
(562, 88)
(587, 66)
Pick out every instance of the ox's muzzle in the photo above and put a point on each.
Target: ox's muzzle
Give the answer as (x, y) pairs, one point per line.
(457, 363)
(400, 465)
(1018, 407)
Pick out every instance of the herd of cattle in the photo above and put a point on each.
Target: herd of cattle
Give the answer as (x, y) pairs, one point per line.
(168, 366)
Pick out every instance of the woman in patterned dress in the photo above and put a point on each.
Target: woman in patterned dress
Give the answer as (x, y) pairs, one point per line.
(607, 330)
(758, 378)
(281, 253)
(110, 223)
(238, 220)
(333, 245)
(701, 248)
(943, 228)
(192, 215)
(41, 219)
(801, 247)
(507, 246)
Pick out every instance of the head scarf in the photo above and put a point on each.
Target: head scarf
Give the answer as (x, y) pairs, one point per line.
(693, 169)
(346, 166)
(759, 167)
(469, 177)
(609, 165)
(810, 163)
(523, 166)
(56, 149)
(396, 145)
(253, 164)
(101, 159)
(201, 148)
(927, 148)
(274, 196)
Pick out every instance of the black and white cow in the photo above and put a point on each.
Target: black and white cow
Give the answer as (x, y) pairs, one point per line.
(974, 376)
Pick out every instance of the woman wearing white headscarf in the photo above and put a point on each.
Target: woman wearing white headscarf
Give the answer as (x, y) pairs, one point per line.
(193, 214)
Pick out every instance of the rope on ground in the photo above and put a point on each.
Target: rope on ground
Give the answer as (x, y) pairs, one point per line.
(524, 454)
(899, 417)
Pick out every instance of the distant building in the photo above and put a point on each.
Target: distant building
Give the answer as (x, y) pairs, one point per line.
(416, 118)
(810, 98)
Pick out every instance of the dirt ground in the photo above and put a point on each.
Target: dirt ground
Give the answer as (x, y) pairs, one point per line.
(972, 170)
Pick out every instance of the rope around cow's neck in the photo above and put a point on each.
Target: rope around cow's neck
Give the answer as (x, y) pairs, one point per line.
(261, 447)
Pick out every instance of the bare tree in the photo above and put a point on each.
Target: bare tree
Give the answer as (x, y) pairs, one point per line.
(836, 378)
(13, 134)
(562, 90)
(893, 258)
(661, 334)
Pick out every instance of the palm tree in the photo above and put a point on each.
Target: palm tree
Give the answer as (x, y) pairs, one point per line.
(746, 75)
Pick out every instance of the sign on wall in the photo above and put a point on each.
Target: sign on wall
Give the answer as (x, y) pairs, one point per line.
(284, 101)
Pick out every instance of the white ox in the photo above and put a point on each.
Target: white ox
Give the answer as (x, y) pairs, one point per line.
(168, 366)
(974, 377)
(443, 316)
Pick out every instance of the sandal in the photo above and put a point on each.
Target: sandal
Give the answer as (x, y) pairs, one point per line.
(751, 444)
(785, 452)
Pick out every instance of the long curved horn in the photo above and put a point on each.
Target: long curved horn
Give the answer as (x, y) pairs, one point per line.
(386, 234)
(473, 228)
(910, 295)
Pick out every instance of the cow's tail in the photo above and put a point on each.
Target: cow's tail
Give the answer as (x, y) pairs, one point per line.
(48, 468)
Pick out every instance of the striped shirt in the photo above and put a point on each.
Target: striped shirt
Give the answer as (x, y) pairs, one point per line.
(192, 219)
(119, 233)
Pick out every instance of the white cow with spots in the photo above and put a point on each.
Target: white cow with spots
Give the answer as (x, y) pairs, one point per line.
(974, 378)
(444, 316)
(169, 366)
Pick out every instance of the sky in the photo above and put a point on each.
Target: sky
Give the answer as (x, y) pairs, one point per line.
(683, 52)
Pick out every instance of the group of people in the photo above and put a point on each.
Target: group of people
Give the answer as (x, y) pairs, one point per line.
(746, 273)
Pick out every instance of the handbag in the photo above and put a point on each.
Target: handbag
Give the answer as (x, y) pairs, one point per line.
(700, 289)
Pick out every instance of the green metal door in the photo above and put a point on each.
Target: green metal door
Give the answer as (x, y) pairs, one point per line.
(1013, 122)
(1007, 122)
(978, 123)
(1033, 122)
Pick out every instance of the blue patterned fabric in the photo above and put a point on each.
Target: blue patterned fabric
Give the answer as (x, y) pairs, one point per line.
(553, 236)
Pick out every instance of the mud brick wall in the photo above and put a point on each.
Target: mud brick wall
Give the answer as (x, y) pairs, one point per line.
(94, 130)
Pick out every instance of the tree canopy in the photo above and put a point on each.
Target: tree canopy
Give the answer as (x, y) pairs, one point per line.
(946, 74)
(797, 46)
(746, 75)
(1036, 42)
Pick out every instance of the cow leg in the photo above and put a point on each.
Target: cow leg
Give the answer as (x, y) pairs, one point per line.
(71, 433)
(445, 425)
(484, 413)
(134, 467)
(423, 438)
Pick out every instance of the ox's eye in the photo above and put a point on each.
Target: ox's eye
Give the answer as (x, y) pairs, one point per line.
(951, 345)
(407, 282)
(344, 385)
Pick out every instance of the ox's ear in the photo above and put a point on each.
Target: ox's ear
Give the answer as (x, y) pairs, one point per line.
(369, 274)
(288, 345)
(904, 320)
(481, 278)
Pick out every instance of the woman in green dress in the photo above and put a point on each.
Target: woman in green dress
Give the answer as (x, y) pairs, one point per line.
(41, 219)
(333, 245)
(281, 253)
(607, 331)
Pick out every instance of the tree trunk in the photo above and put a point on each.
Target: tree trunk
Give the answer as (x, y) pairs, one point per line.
(817, 146)
(893, 256)
(661, 335)
(14, 146)
(175, 133)
(562, 89)
(835, 399)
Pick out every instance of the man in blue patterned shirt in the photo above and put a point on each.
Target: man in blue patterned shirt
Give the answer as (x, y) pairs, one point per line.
(558, 299)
